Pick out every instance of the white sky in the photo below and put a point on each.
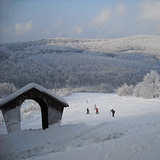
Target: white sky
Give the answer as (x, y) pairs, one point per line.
(23, 20)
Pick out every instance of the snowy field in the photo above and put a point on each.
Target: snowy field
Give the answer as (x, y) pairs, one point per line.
(133, 134)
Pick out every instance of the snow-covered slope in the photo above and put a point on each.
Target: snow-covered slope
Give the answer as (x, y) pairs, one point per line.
(140, 44)
(133, 44)
(134, 133)
(103, 64)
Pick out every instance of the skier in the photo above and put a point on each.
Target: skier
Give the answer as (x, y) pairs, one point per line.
(97, 112)
(87, 111)
(113, 112)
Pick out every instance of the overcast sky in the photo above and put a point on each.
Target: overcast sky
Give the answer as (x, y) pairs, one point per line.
(23, 20)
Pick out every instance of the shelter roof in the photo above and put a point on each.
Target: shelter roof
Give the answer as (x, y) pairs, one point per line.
(28, 87)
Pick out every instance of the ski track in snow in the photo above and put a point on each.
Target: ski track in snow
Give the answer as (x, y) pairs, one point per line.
(133, 134)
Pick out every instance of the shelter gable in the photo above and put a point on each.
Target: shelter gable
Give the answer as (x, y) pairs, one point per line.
(30, 90)
(51, 106)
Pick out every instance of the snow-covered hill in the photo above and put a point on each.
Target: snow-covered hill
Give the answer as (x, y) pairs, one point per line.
(134, 132)
(138, 44)
(101, 64)
(133, 44)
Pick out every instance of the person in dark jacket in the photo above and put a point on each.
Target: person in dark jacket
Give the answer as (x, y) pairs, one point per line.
(87, 111)
(113, 112)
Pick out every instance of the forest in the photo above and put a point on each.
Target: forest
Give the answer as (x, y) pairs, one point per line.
(97, 65)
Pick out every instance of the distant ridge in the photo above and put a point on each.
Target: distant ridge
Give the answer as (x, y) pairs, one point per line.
(136, 44)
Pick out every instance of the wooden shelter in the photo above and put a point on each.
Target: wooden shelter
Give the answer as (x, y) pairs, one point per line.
(51, 106)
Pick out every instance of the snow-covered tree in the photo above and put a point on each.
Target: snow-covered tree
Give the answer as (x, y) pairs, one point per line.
(125, 90)
(6, 89)
(148, 88)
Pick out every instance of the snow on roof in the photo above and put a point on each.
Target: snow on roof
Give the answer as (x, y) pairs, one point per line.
(28, 87)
